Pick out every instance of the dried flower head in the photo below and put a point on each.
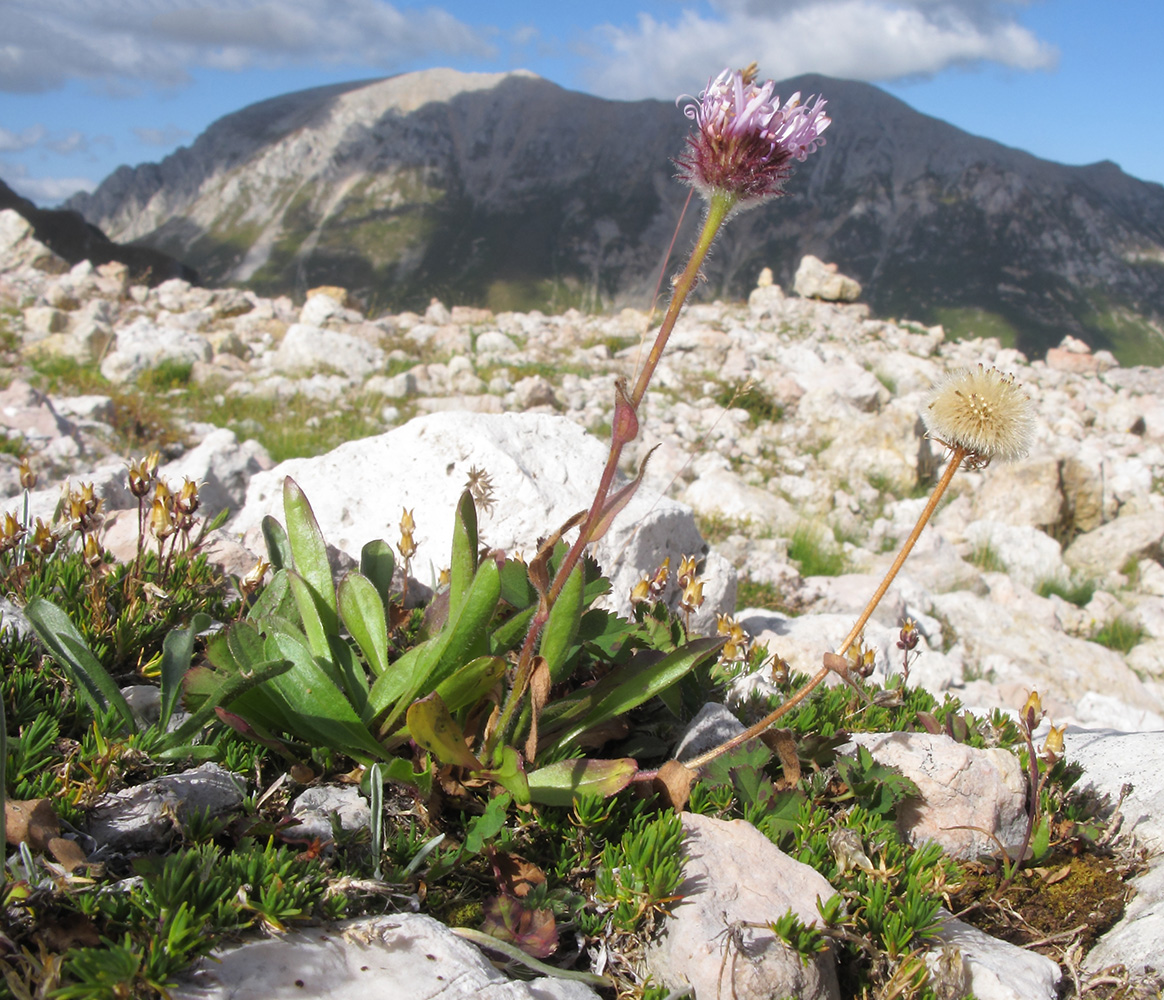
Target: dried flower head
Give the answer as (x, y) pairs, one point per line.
(746, 141)
(187, 499)
(984, 412)
(407, 546)
(658, 585)
(11, 531)
(481, 487)
(44, 540)
(27, 476)
(692, 597)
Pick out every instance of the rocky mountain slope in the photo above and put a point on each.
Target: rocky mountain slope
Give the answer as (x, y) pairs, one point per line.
(73, 240)
(505, 190)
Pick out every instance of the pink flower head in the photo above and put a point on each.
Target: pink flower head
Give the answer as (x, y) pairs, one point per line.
(746, 142)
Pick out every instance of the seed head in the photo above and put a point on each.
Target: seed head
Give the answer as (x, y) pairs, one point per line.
(984, 411)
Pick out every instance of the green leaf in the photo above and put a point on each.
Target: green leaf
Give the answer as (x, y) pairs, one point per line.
(508, 635)
(423, 667)
(316, 708)
(559, 784)
(362, 609)
(463, 566)
(278, 547)
(309, 616)
(467, 686)
(562, 625)
(434, 729)
(510, 775)
(275, 599)
(353, 678)
(60, 636)
(378, 563)
(626, 689)
(228, 690)
(310, 553)
(399, 769)
(489, 824)
(177, 651)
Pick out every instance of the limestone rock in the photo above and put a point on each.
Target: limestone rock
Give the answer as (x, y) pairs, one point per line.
(960, 786)
(993, 969)
(145, 344)
(733, 874)
(1108, 548)
(305, 347)
(818, 280)
(405, 956)
(144, 816)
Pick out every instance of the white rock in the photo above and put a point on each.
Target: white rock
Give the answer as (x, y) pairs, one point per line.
(1027, 554)
(222, 466)
(818, 280)
(1109, 547)
(960, 786)
(314, 808)
(732, 874)
(405, 956)
(994, 969)
(307, 347)
(544, 469)
(145, 344)
(145, 815)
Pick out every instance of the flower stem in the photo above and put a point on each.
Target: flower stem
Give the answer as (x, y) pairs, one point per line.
(959, 453)
(623, 432)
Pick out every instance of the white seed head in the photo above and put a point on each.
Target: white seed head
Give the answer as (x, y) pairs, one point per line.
(984, 411)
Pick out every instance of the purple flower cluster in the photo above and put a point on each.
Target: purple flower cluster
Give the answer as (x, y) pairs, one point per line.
(746, 141)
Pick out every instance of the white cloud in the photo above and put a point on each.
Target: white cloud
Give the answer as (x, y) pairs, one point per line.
(14, 142)
(872, 40)
(42, 191)
(159, 41)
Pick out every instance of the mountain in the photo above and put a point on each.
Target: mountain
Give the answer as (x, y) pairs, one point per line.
(508, 191)
(69, 236)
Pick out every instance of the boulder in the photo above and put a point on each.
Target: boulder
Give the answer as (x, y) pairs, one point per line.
(734, 878)
(961, 788)
(543, 469)
(405, 956)
(818, 280)
(145, 344)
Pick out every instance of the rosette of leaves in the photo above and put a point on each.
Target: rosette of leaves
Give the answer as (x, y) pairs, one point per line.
(363, 677)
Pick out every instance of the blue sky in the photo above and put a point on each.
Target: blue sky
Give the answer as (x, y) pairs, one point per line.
(87, 85)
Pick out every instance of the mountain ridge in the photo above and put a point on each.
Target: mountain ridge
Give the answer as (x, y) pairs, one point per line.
(506, 190)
